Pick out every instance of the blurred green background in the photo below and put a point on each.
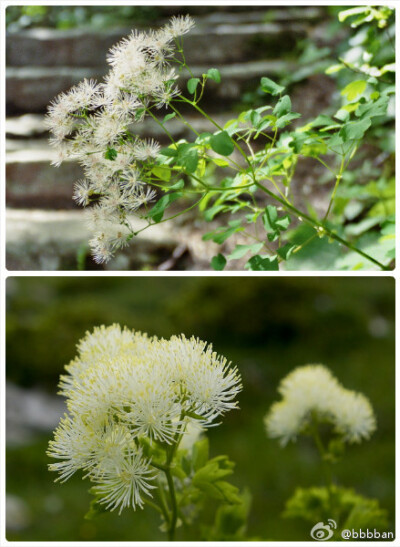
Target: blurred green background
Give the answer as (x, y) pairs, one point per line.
(267, 326)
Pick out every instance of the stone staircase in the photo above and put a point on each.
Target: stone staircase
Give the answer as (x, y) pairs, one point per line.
(42, 219)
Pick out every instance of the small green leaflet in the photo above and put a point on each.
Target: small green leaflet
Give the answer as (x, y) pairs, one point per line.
(178, 185)
(218, 262)
(222, 144)
(240, 250)
(283, 106)
(192, 84)
(269, 86)
(214, 74)
(259, 263)
(170, 152)
(110, 154)
(354, 89)
(354, 130)
(169, 117)
(157, 212)
(188, 157)
(285, 251)
(162, 173)
(221, 234)
(370, 110)
(209, 479)
(286, 119)
(274, 224)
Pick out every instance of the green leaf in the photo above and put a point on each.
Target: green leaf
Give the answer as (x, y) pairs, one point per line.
(95, 508)
(214, 74)
(370, 110)
(169, 117)
(192, 84)
(240, 250)
(269, 86)
(157, 212)
(354, 130)
(220, 162)
(110, 154)
(203, 138)
(274, 224)
(214, 210)
(162, 173)
(218, 262)
(170, 152)
(298, 141)
(354, 89)
(222, 234)
(283, 106)
(222, 144)
(178, 185)
(188, 157)
(209, 479)
(286, 119)
(343, 15)
(285, 251)
(231, 521)
(260, 263)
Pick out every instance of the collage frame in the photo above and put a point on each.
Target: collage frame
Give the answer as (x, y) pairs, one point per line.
(6, 275)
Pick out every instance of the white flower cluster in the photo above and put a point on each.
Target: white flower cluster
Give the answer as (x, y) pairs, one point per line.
(123, 387)
(312, 391)
(91, 124)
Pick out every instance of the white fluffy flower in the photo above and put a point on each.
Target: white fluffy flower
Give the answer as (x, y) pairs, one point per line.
(284, 421)
(145, 149)
(92, 122)
(312, 392)
(124, 485)
(124, 388)
(354, 416)
(179, 26)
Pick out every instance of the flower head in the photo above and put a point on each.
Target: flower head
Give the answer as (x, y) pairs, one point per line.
(92, 123)
(125, 389)
(313, 393)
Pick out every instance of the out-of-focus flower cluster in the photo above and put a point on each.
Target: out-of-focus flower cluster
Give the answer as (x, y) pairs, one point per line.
(92, 125)
(124, 388)
(312, 393)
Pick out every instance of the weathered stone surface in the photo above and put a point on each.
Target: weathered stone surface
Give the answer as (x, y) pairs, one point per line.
(50, 240)
(20, 128)
(31, 180)
(31, 89)
(25, 126)
(221, 41)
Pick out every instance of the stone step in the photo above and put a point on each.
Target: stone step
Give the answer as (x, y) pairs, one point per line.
(32, 126)
(50, 240)
(30, 89)
(221, 38)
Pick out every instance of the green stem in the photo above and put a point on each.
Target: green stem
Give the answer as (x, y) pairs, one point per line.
(338, 179)
(163, 502)
(171, 451)
(320, 227)
(171, 138)
(182, 119)
(174, 505)
(327, 471)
